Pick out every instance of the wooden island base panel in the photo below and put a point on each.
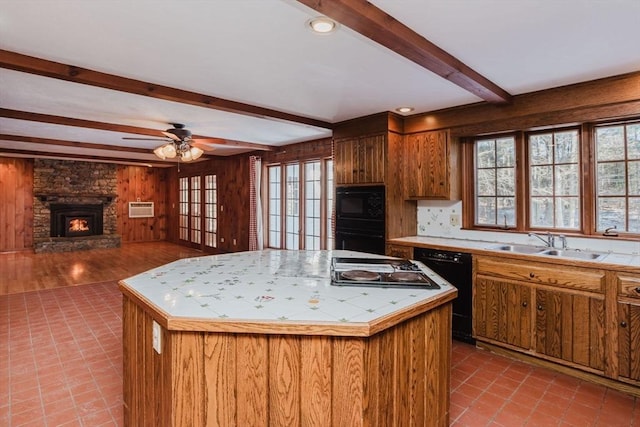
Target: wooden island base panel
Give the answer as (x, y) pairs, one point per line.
(388, 367)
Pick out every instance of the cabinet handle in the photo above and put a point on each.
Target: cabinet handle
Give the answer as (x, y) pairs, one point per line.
(524, 303)
(637, 290)
(623, 324)
(532, 275)
(540, 307)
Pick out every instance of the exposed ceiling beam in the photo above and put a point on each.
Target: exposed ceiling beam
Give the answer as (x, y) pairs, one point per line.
(70, 121)
(105, 159)
(377, 25)
(59, 142)
(29, 64)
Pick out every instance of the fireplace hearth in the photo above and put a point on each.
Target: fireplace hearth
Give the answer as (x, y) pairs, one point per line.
(76, 220)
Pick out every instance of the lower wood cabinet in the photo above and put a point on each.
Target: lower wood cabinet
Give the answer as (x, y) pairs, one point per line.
(502, 312)
(556, 314)
(398, 251)
(629, 326)
(570, 327)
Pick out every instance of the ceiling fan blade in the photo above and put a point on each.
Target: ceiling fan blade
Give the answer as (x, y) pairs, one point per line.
(207, 146)
(171, 135)
(229, 143)
(146, 139)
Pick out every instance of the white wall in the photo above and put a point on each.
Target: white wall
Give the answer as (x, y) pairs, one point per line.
(434, 220)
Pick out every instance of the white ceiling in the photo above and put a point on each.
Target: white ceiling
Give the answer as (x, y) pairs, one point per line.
(259, 52)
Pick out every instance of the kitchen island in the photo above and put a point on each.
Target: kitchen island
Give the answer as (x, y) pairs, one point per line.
(263, 338)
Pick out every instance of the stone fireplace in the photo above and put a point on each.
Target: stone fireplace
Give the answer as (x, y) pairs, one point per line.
(74, 206)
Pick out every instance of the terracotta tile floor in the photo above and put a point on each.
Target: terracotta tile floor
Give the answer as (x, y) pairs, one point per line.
(492, 390)
(61, 365)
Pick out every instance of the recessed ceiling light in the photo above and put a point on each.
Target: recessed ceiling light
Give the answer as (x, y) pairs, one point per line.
(322, 25)
(404, 110)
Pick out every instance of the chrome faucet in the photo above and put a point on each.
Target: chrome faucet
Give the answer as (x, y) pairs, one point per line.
(563, 240)
(549, 241)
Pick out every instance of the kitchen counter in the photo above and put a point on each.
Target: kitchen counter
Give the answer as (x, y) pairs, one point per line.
(628, 262)
(262, 338)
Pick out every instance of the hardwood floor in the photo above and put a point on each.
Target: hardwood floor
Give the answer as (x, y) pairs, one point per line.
(26, 271)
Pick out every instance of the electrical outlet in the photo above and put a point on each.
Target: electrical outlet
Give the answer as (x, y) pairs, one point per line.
(454, 220)
(156, 337)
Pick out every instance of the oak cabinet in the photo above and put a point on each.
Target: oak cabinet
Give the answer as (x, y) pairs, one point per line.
(399, 251)
(629, 326)
(570, 326)
(553, 313)
(502, 312)
(431, 170)
(360, 160)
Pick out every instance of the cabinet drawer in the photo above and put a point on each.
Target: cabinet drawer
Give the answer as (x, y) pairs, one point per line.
(629, 286)
(545, 274)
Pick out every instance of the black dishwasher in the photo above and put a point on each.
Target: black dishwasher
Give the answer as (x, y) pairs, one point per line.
(455, 268)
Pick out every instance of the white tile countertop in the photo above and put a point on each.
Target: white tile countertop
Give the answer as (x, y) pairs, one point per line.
(271, 285)
(612, 258)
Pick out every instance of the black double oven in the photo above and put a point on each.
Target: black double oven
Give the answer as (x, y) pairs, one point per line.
(360, 219)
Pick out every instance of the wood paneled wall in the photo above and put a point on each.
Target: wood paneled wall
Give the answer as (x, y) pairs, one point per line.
(16, 204)
(143, 184)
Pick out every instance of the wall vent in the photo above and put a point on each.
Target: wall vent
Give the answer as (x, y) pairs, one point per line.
(140, 209)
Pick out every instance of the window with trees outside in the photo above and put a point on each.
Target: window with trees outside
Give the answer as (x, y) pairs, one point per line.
(554, 180)
(582, 180)
(495, 189)
(618, 177)
(300, 205)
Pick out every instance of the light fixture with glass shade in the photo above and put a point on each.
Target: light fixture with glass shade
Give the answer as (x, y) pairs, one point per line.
(178, 144)
(182, 150)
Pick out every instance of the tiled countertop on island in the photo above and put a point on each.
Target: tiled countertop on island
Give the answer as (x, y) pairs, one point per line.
(285, 291)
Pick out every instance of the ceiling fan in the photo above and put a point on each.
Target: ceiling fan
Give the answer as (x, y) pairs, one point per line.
(178, 143)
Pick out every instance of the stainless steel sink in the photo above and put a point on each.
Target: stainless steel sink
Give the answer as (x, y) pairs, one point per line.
(538, 250)
(522, 249)
(572, 254)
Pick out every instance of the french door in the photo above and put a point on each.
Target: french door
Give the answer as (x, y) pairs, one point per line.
(198, 215)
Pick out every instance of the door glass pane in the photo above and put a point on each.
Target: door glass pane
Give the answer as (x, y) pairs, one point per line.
(183, 221)
(292, 205)
(211, 211)
(195, 210)
(329, 186)
(275, 200)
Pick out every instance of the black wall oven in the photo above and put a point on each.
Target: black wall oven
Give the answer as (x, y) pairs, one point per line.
(360, 219)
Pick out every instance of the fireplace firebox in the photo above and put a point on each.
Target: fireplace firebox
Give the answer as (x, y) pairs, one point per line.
(73, 220)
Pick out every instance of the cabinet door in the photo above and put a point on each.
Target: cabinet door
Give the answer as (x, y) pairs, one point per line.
(502, 311)
(360, 160)
(345, 161)
(427, 173)
(371, 159)
(570, 326)
(629, 340)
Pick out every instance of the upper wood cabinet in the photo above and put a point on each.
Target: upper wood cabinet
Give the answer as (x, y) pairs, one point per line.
(360, 160)
(431, 170)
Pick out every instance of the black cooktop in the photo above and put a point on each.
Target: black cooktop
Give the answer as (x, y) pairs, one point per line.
(379, 272)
